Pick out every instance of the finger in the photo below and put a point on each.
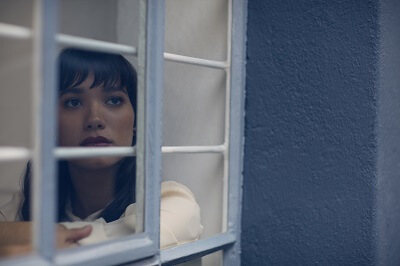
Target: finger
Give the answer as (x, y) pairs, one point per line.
(76, 234)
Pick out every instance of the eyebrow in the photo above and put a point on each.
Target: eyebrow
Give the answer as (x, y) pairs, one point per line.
(113, 89)
(72, 90)
(81, 91)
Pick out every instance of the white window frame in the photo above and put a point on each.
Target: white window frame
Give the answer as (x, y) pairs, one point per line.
(143, 247)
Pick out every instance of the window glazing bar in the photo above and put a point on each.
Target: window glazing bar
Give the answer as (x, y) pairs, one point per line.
(14, 154)
(14, 31)
(226, 169)
(237, 99)
(195, 61)
(197, 249)
(193, 149)
(141, 118)
(95, 45)
(19, 32)
(17, 153)
(150, 105)
(115, 252)
(44, 136)
(77, 152)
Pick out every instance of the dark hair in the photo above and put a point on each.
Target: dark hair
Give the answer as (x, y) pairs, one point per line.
(74, 67)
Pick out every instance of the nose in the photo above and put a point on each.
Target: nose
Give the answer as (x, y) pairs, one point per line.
(94, 119)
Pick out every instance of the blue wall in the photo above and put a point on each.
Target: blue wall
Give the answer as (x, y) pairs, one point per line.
(311, 148)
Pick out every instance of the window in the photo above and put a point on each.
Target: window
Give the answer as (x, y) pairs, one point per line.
(150, 57)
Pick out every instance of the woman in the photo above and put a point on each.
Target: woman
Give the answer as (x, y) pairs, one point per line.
(97, 106)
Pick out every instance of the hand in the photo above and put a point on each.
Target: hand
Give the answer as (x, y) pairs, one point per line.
(65, 238)
(70, 237)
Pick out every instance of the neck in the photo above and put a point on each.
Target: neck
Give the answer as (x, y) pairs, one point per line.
(93, 190)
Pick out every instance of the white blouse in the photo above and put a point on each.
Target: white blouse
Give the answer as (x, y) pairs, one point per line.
(179, 218)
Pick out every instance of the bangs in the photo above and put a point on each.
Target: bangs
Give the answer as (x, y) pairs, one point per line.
(107, 69)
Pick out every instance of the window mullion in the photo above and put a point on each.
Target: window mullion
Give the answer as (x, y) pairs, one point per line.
(236, 132)
(225, 197)
(45, 98)
(154, 110)
(150, 108)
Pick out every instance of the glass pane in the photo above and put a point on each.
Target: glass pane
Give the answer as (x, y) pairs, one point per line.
(213, 259)
(112, 21)
(98, 109)
(97, 196)
(16, 120)
(194, 115)
(15, 235)
(200, 30)
(16, 12)
(16, 92)
(194, 104)
(202, 174)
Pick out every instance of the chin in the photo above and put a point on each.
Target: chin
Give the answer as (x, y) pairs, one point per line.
(96, 163)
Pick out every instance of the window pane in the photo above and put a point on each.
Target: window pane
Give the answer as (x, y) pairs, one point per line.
(200, 30)
(16, 12)
(16, 92)
(202, 174)
(16, 120)
(16, 78)
(15, 236)
(213, 259)
(113, 21)
(194, 104)
(99, 110)
(100, 193)
(106, 23)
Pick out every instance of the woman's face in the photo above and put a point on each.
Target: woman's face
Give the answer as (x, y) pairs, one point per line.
(95, 117)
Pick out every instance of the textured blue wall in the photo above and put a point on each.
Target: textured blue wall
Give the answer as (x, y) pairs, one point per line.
(310, 165)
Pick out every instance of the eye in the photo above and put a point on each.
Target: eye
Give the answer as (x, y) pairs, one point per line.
(73, 103)
(115, 101)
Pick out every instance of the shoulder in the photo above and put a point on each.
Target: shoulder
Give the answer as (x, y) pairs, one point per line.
(180, 215)
(175, 189)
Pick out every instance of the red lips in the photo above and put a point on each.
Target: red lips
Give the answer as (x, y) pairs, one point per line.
(96, 141)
